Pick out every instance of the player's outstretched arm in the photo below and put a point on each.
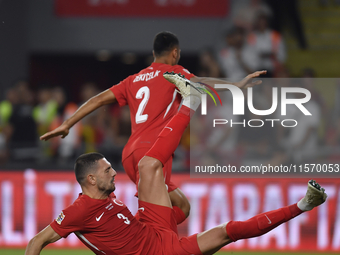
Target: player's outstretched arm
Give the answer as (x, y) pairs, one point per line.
(43, 238)
(244, 83)
(106, 97)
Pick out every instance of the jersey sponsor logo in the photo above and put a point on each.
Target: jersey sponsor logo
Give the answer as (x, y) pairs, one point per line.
(98, 218)
(146, 76)
(60, 217)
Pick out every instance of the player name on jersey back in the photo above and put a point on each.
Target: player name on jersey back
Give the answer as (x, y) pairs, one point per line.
(146, 76)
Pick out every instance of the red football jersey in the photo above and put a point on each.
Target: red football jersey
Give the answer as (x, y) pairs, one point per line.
(106, 227)
(153, 101)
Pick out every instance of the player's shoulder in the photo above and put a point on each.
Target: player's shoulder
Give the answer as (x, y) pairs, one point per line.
(179, 68)
(79, 205)
(73, 213)
(145, 70)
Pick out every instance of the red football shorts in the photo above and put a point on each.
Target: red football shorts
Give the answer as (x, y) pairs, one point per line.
(130, 165)
(162, 220)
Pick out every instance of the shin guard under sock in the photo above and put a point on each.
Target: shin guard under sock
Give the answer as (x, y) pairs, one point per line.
(262, 223)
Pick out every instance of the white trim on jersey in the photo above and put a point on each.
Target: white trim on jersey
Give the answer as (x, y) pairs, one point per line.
(169, 106)
(87, 241)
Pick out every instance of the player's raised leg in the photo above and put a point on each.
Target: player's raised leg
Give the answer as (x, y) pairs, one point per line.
(214, 239)
(151, 187)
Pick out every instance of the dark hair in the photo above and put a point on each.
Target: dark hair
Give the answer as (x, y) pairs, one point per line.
(164, 42)
(84, 164)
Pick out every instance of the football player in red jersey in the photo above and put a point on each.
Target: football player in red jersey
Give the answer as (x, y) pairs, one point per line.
(153, 101)
(106, 226)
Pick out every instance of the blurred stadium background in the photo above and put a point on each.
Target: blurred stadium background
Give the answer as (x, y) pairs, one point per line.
(56, 54)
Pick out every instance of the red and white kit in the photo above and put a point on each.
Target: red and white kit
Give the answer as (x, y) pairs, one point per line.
(108, 227)
(153, 101)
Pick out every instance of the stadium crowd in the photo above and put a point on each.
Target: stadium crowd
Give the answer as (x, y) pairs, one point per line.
(26, 114)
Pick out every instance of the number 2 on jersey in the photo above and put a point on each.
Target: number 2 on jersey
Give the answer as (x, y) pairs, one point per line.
(140, 117)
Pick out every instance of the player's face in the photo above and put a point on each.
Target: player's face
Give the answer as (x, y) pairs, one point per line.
(105, 176)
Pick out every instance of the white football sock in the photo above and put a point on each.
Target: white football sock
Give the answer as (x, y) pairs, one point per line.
(192, 102)
(304, 206)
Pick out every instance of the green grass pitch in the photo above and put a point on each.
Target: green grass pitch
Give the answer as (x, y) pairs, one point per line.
(88, 252)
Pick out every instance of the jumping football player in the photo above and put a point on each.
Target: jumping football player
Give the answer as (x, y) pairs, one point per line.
(106, 226)
(153, 101)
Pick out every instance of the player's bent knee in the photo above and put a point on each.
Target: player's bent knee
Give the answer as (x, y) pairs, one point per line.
(148, 165)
